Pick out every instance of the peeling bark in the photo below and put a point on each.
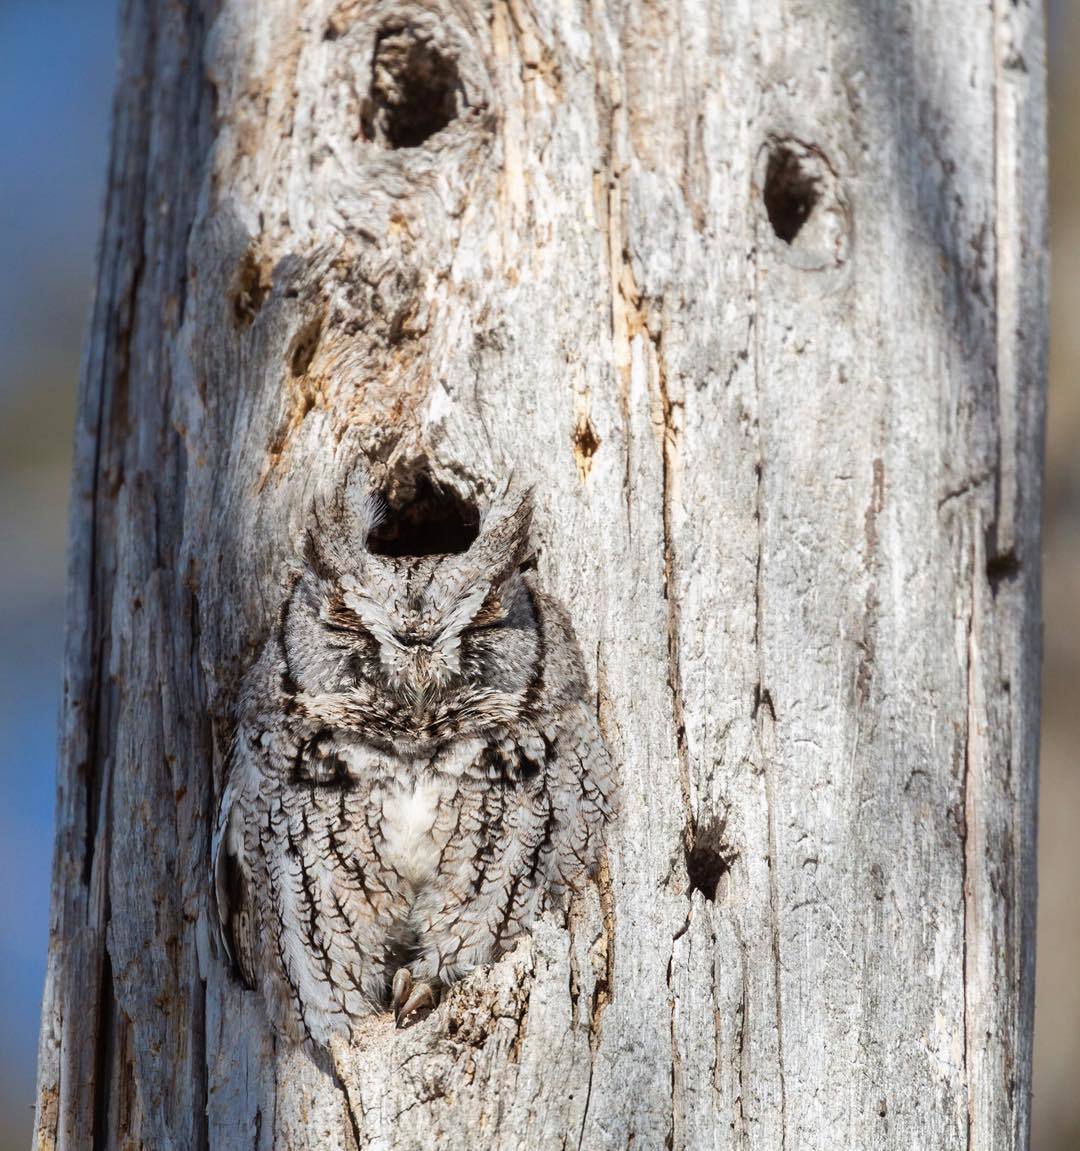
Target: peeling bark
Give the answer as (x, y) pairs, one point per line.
(755, 296)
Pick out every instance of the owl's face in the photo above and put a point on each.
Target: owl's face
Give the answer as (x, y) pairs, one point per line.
(413, 649)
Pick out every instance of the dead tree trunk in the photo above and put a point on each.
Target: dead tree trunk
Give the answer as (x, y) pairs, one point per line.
(754, 295)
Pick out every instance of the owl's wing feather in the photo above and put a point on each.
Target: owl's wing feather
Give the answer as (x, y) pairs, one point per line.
(582, 782)
(233, 890)
(581, 773)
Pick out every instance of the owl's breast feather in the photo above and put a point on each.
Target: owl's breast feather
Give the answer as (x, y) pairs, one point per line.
(409, 812)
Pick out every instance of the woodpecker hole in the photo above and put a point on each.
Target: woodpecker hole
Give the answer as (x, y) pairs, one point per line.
(708, 860)
(1002, 568)
(415, 92)
(304, 347)
(253, 283)
(586, 444)
(792, 189)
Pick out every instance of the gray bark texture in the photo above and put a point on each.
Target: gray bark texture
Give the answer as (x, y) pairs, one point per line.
(754, 294)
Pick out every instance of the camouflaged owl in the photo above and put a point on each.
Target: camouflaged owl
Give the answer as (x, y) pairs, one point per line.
(416, 766)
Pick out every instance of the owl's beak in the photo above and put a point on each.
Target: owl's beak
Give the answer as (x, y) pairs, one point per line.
(420, 702)
(419, 690)
(426, 677)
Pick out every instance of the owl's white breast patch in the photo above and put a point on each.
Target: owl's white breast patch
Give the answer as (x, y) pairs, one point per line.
(408, 821)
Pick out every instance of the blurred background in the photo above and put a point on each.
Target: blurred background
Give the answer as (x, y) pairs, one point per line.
(57, 61)
(56, 71)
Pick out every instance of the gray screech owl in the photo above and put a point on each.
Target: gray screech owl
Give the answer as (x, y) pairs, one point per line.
(415, 767)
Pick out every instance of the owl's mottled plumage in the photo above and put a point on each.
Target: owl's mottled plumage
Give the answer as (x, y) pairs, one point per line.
(415, 767)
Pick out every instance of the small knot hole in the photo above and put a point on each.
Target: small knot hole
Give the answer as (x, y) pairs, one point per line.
(304, 347)
(792, 190)
(415, 89)
(708, 860)
(805, 204)
(586, 444)
(253, 283)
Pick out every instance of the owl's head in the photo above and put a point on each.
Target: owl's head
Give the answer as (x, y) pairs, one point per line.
(412, 648)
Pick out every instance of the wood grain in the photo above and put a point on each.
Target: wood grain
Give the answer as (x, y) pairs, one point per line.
(755, 296)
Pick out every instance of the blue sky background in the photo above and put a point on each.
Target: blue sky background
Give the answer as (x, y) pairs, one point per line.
(56, 75)
(57, 63)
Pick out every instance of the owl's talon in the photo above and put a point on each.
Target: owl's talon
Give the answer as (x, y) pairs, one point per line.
(400, 989)
(422, 996)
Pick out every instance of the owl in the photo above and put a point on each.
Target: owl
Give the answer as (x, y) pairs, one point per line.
(416, 767)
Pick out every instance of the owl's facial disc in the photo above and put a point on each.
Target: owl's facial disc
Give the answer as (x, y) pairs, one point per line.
(410, 643)
(417, 628)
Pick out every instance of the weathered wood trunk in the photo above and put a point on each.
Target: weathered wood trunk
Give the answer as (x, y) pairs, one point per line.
(754, 295)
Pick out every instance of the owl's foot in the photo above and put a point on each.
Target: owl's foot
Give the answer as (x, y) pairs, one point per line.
(410, 997)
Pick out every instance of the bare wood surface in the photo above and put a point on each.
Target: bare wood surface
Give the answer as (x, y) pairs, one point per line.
(755, 296)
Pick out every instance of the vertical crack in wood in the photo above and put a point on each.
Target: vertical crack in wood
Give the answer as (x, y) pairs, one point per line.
(104, 1052)
(200, 1071)
(774, 909)
(603, 988)
(743, 1048)
(102, 1031)
(1007, 232)
(762, 694)
(585, 1109)
(110, 389)
(202, 736)
(669, 448)
(967, 863)
(1020, 294)
(676, 1059)
(630, 321)
(352, 1095)
(608, 97)
(607, 205)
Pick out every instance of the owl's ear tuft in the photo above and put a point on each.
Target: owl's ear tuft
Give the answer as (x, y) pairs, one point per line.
(320, 556)
(363, 509)
(339, 526)
(504, 544)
